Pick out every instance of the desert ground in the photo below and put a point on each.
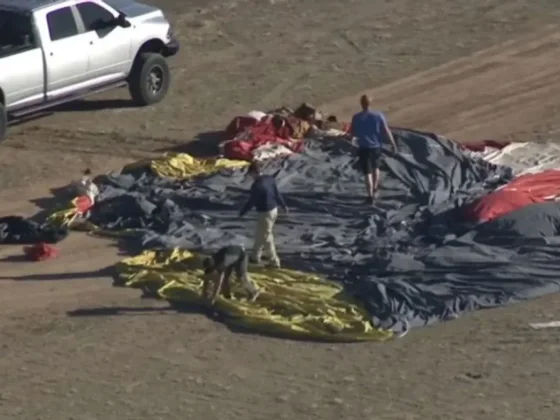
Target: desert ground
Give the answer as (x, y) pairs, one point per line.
(73, 347)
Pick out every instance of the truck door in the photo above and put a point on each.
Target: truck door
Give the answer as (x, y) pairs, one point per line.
(21, 60)
(65, 50)
(110, 44)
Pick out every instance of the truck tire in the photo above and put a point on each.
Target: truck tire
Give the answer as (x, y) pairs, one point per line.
(148, 81)
(3, 122)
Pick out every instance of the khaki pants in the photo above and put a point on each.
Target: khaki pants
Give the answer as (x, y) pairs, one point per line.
(264, 238)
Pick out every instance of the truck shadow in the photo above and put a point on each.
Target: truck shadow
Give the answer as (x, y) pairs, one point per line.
(79, 105)
(83, 105)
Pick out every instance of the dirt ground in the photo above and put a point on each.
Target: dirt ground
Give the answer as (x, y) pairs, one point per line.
(72, 347)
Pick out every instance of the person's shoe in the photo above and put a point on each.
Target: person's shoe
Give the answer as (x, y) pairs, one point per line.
(370, 200)
(273, 264)
(254, 296)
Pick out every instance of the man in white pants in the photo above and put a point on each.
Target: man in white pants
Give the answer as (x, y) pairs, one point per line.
(266, 198)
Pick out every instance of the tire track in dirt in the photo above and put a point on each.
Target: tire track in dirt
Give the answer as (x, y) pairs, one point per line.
(545, 84)
(478, 96)
(90, 142)
(456, 70)
(466, 67)
(498, 92)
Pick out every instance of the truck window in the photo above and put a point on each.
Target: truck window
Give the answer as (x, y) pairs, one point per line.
(16, 33)
(61, 24)
(95, 17)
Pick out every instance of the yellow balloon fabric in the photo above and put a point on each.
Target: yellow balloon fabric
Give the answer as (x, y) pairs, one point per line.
(183, 166)
(291, 304)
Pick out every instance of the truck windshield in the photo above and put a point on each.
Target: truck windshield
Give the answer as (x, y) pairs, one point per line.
(16, 32)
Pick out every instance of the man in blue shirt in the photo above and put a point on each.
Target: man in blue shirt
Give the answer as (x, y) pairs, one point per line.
(371, 130)
(266, 198)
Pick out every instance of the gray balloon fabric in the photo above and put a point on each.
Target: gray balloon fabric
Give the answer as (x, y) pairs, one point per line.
(410, 258)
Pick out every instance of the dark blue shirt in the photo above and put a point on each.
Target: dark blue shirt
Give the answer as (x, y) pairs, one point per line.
(264, 195)
(369, 128)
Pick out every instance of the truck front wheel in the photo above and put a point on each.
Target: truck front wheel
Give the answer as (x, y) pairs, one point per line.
(3, 122)
(148, 82)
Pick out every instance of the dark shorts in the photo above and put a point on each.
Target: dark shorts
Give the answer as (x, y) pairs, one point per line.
(236, 262)
(369, 159)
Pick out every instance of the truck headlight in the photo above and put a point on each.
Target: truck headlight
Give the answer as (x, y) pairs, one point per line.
(169, 33)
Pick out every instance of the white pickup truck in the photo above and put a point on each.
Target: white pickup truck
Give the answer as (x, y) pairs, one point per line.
(56, 51)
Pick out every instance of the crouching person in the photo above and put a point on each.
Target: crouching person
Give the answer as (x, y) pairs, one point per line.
(221, 265)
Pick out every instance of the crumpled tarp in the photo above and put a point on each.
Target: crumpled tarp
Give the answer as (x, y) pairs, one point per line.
(240, 124)
(291, 304)
(23, 231)
(254, 136)
(412, 259)
(171, 165)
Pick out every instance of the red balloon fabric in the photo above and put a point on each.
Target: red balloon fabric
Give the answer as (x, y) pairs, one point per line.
(523, 190)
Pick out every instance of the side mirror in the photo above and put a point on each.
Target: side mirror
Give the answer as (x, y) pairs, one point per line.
(122, 21)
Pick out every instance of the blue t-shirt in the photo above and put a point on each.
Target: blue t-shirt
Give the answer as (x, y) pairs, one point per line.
(369, 128)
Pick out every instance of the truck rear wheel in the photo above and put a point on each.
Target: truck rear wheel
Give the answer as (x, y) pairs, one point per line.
(3, 122)
(148, 82)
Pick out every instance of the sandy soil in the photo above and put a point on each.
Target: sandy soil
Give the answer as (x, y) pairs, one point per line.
(72, 347)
